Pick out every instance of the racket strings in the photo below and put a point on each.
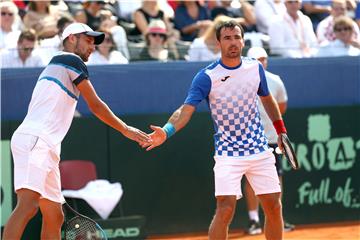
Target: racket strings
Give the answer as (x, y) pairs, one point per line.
(289, 152)
(80, 228)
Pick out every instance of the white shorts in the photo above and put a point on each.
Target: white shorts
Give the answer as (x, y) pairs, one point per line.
(260, 173)
(36, 166)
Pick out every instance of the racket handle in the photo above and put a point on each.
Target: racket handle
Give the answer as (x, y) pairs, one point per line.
(278, 151)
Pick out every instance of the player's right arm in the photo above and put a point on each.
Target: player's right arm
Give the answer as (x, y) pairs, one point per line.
(100, 109)
(177, 121)
(199, 90)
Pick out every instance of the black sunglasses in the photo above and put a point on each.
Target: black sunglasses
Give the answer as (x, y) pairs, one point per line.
(340, 29)
(27, 49)
(158, 34)
(7, 13)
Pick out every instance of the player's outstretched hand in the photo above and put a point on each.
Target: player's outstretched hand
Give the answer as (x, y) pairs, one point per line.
(158, 137)
(137, 135)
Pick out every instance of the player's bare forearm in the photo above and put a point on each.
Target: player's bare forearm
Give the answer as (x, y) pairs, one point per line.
(104, 113)
(271, 107)
(178, 120)
(181, 116)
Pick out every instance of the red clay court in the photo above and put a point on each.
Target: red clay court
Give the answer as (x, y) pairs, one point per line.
(334, 231)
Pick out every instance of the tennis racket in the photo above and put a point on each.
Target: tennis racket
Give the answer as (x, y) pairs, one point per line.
(289, 151)
(79, 227)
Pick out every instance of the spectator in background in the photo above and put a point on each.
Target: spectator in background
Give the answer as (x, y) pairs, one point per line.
(24, 56)
(150, 10)
(21, 5)
(205, 48)
(125, 9)
(106, 53)
(74, 6)
(317, 10)
(292, 34)
(109, 23)
(90, 14)
(43, 17)
(167, 9)
(50, 46)
(265, 10)
(351, 7)
(9, 31)
(278, 90)
(245, 14)
(345, 44)
(191, 19)
(156, 45)
(325, 28)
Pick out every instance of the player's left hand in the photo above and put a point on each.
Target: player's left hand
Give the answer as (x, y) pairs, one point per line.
(280, 141)
(158, 137)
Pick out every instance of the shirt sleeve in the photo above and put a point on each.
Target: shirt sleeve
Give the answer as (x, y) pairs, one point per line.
(75, 67)
(282, 98)
(263, 87)
(199, 90)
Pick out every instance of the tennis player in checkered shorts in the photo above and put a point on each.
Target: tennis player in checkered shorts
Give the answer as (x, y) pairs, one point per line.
(231, 86)
(36, 143)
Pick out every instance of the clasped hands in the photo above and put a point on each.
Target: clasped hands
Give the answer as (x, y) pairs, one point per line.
(148, 141)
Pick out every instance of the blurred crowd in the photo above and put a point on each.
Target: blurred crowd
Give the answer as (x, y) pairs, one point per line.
(170, 30)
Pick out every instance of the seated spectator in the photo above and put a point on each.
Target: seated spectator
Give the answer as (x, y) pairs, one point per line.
(156, 45)
(344, 44)
(74, 6)
(23, 56)
(317, 10)
(325, 28)
(167, 9)
(109, 23)
(150, 10)
(191, 19)
(205, 48)
(21, 5)
(9, 31)
(142, 17)
(351, 7)
(125, 9)
(50, 46)
(43, 17)
(106, 53)
(292, 35)
(245, 15)
(265, 11)
(90, 14)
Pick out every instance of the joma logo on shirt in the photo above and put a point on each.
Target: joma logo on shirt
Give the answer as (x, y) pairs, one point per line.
(225, 78)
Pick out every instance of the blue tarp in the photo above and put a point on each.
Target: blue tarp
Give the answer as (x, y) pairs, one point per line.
(146, 88)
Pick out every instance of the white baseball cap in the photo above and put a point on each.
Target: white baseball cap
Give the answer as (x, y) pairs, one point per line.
(76, 28)
(257, 52)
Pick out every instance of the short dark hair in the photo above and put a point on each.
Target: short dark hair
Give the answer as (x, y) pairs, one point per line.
(63, 20)
(28, 34)
(227, 24)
